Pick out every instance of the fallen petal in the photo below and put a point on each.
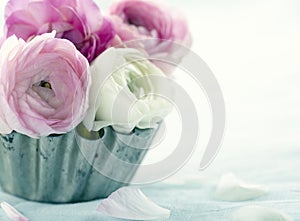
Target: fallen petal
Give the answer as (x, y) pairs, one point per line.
(230, 188)
(259, 213)
(12, 213)
(131, 203)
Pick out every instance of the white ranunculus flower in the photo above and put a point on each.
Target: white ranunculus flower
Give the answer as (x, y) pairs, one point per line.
(127, 91)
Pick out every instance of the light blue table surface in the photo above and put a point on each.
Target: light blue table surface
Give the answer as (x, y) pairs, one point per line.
(195, 200)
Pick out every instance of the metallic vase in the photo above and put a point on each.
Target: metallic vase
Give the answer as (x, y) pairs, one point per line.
(69, 168)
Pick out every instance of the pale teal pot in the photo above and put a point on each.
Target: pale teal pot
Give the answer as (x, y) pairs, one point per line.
(54, 169)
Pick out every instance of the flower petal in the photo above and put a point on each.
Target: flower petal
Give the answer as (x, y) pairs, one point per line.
(12, 213)
(231, 188)
(131, 203)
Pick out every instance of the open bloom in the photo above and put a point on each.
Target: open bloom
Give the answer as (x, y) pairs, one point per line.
(44, 86)
(151, 27)
(127, 91)
(78, 21)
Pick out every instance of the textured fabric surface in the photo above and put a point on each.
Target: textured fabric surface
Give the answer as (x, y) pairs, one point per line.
(195, 203)
(191, 197)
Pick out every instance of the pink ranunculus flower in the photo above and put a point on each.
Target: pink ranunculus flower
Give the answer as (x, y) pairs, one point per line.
(44, 86)
(152, 28)
(79, 21)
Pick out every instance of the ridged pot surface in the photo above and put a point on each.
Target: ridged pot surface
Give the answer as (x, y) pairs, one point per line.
(54, 169)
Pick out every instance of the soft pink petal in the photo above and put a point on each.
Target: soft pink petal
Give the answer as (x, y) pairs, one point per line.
(15, 5)
(131, 203)
(12, 213)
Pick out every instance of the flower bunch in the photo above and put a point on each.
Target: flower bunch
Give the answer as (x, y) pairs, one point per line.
(64, 63)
